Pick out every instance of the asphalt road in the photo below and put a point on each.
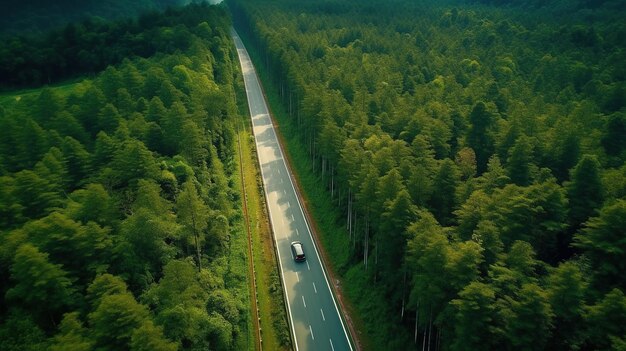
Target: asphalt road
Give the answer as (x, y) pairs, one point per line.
(314, 317)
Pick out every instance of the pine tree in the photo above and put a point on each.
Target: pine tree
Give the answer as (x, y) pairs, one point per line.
(568, 155)
(607, 321)
(115, 320)
(613, 139)
(40, 286)
(495, 177)
(479, 136)
(443, 199)
(91, 103)
(585, 191)
(35, 195)
(519, 162)
(108, 119)
(149, 337)
(528, 318)
(566, 293)
(193, 215)
(78, 161)
(474, 318)
(172, 126)
(133, 161)
(602, 241)
(72, 336)
(32, 143)
(104, 150)
(49, 105)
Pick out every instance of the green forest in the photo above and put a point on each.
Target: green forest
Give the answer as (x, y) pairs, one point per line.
(467, 159)
(120, 220)
(38, 16)
(473, 157)
(88, 47)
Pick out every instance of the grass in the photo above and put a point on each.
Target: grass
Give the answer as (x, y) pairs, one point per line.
(264, 260)
(237, 280)
(370, 315)
(13, 99)
(273, 317)
(238, 277)
(63, 88)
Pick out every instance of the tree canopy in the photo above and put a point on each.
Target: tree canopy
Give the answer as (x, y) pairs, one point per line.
(105, 183)
(472, 151)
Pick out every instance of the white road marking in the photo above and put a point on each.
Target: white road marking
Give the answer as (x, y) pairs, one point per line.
(298, 276)
(323, 318)
(285, 191)
(252, 91)
(331, 344)
(297, 231)
(314, 288)
(292, 219)
(281, 180)
(307, 265)
(304, 302)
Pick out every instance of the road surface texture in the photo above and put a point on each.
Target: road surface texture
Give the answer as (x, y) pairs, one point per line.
(313, 313)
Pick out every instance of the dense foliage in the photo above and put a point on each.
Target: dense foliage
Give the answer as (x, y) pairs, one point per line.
(477, 155)
(41, 15)
(90, 46)
(119, 226)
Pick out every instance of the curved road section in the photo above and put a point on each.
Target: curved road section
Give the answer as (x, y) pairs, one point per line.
(313, 313)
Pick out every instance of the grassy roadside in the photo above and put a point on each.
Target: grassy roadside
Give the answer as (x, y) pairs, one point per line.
(361, 301)
(365, 304)
(325, 217)
(238, 277)
(270, 307)
(273, 318)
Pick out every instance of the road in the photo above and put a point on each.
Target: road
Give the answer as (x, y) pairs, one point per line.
(314, 317)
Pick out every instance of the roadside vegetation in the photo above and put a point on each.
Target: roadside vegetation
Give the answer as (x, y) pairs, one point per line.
(39, 16)
(120, 210)
(88, 47)
(273, 317)
(472, 158)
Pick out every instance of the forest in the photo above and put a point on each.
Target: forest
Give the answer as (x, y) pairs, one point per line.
(473, 156)
(38, 16)
(120, 220)
(89, 46)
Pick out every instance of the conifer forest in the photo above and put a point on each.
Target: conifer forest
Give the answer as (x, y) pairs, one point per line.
(462, 162)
